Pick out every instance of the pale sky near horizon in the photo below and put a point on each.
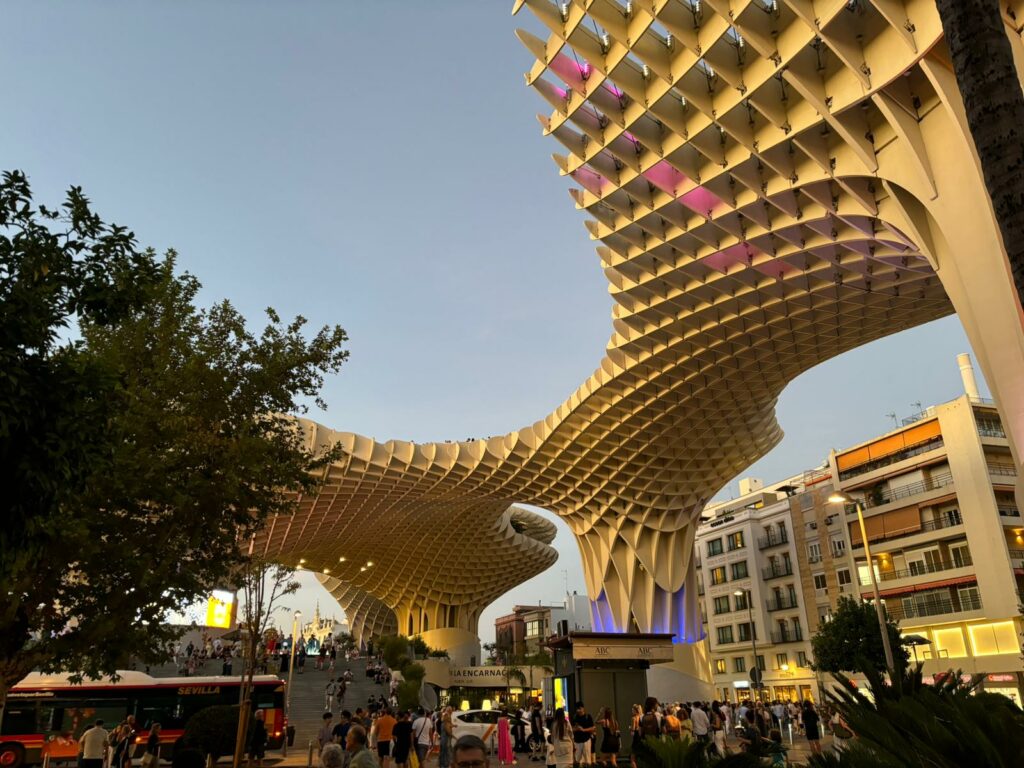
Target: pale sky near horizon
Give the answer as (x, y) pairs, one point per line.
(377, 165)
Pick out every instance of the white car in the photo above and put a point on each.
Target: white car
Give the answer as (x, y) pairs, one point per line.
(484, 723)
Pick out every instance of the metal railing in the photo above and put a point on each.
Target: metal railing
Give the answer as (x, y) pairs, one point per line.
(795, 635)
(781, 603)
(777, 571)
(773, 539)
(1001, 469)
(932, 606)
(946, 521)
(903, 492)
(1017, 558)
(884, 461)
(1008, 511)
(921, 569)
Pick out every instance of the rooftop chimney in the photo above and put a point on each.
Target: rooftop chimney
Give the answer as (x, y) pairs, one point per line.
(967, 374)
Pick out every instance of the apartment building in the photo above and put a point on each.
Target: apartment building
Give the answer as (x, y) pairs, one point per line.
(525, 630)
(946, 538)
(945, 534)
(753, 599)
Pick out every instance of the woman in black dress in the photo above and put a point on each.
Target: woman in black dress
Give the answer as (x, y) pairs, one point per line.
(812, 727)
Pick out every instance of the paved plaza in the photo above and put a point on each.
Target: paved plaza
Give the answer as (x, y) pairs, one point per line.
(307, 708)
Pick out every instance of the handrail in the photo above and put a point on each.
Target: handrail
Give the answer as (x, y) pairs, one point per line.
(947, 521)
(922, 570)
(773, 539)
(789, 636)
(903, 492)
(777, 572)
(931, 607)
(783, 603)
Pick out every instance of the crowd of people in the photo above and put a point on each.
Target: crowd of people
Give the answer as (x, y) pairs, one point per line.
(394, 739)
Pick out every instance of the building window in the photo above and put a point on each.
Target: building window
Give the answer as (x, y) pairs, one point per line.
(814, 552)
(960, 555)
(714, 547)
(739, 664)
(801, 659)
(843, 575)
(744, 631)
(724, 635)
(533, 628)
(720, 667)
(820, 584)
(735, 540)
(760, 662)
(721, 605)
(718, 575)
(739, 570)
(741, 602)
(782, 661)
(839, 546)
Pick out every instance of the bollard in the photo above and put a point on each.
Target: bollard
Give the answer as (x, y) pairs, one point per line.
(46, 760)
(309, 757)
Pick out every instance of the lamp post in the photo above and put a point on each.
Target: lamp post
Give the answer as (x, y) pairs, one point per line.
(755, 676)
(842, 498)
(291, 673)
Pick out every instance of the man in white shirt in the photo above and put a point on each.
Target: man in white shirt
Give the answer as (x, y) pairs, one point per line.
(701, 724)
(93, 746)
(423, 735)
(727, 717)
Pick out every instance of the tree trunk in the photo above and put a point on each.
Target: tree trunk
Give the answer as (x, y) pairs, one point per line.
(994, 103)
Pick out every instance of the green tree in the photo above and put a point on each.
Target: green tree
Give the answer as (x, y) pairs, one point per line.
(852, 636)
(263, 584)
(910, 724)
(142, 440)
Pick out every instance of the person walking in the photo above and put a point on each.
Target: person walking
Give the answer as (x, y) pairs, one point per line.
(583, 734)
(151, 757)
(445, 733)
(812, 727)
(385, 725)
(701, 723)
(359, 755)
(258, 742)
(330, 691)
(423, 730)
(611, 738)
(93, 746)
(561, 741)
(325, 735)
(401, 735)
(505, 754)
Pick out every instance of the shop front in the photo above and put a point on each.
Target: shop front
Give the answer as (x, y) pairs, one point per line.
(487, 687)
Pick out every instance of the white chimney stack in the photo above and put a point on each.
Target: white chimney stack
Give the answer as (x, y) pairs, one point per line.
(750, 485)
(967, 374)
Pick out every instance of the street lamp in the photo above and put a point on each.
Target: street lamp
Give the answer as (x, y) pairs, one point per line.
(755, 673)
(291, 673)
(842, 498)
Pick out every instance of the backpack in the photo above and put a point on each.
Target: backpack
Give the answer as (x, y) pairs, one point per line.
(649, 725)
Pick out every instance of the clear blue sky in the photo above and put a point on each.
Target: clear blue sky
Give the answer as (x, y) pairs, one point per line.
(376, 165)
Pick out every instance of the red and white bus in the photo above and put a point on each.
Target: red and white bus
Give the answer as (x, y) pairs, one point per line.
(45, 714)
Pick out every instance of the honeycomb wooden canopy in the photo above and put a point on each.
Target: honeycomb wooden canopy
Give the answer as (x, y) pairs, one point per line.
(772, 184)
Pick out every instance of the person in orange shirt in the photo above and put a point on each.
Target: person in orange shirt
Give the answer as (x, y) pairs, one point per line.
(385, 727)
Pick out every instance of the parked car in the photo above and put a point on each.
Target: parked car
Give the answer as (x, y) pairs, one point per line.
(484, 723)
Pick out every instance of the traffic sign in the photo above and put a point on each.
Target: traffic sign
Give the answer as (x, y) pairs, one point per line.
(756, 676)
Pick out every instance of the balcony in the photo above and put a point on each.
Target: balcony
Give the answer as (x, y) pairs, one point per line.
(930, 607)
(773, 539)
(1008, 510)
(781, 603)
(948, 520)
(919, 569)
(893, 458)
(777, 571)
(1002, 469)
(1017, 560)
(795, 635)
(902, 492)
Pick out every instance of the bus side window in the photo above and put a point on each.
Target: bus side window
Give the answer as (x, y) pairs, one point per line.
(19, 718)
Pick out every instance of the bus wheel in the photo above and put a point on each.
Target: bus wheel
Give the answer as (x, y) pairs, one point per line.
(12, 755)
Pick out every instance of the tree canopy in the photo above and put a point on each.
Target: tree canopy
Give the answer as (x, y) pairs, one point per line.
(142, 439)
(851, 636)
